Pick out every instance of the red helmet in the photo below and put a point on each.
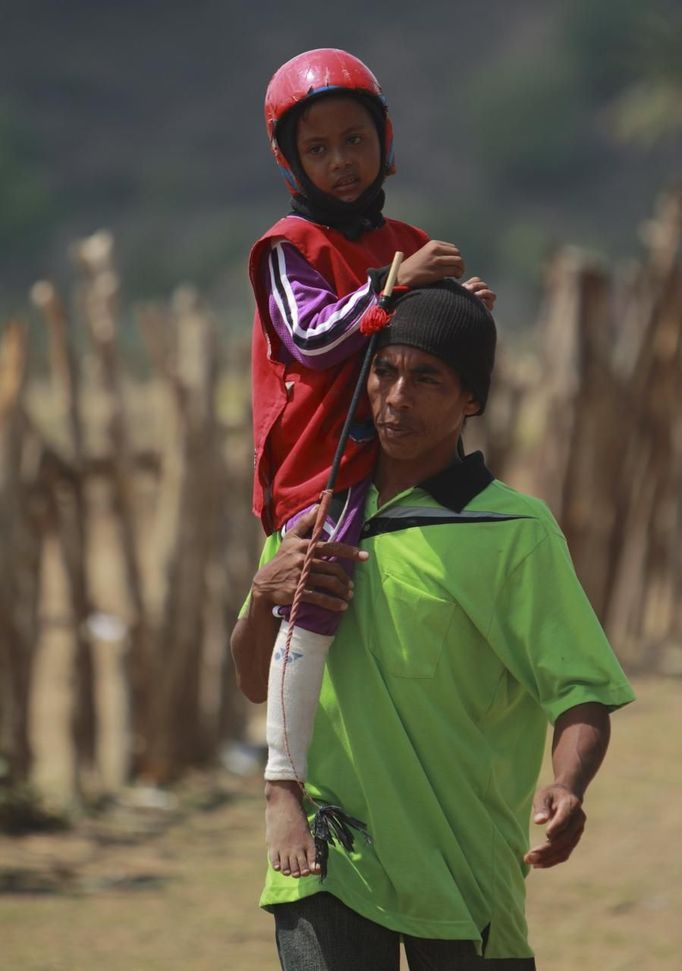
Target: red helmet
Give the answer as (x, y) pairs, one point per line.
(313, 73)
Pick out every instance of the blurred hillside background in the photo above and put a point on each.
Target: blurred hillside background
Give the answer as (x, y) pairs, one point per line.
(519, 127)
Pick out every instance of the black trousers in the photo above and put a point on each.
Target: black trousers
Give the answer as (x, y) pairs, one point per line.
(320, 933)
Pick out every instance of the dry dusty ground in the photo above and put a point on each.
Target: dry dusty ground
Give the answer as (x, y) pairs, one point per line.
(176, 890)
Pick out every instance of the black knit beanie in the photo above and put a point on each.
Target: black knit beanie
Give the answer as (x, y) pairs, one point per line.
(448, 321)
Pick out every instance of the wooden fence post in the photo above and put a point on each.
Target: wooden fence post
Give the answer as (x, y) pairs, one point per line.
(644, 615)
(99, 304)
(187, 516)
(20, 550)
(72, 525)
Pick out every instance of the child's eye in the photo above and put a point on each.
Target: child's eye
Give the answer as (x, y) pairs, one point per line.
(316, 150)
(354, 139)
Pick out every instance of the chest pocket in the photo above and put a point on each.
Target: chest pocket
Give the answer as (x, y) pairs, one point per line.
(413, 629)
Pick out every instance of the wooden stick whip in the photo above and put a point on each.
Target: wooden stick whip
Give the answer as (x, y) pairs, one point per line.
(327, 493)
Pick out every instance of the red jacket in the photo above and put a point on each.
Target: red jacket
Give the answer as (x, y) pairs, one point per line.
(298, 412)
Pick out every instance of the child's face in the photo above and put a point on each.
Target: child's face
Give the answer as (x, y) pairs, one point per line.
(338, 146)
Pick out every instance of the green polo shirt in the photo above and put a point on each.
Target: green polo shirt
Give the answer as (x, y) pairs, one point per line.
(468, 632)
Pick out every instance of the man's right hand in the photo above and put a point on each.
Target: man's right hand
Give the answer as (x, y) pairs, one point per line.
(434, 261)
(328, 586)
(274, 584)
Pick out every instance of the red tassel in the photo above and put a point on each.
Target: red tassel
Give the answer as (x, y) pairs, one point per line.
(375, 319)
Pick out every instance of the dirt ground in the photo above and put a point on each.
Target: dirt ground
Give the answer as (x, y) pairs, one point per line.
(176, 886)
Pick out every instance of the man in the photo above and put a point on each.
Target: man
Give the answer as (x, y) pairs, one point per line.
(467, 632)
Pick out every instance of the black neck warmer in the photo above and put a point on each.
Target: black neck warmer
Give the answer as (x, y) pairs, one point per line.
(352, 219)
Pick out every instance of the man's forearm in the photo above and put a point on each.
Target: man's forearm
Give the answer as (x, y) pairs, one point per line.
(581, 738)
(251, 643)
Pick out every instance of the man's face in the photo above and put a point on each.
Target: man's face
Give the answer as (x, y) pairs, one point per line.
(338, 146)
(418, 406)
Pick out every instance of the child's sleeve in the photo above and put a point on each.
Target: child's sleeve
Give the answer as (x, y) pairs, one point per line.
(315, 326)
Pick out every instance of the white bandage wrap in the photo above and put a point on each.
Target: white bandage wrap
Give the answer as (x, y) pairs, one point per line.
(302, 682)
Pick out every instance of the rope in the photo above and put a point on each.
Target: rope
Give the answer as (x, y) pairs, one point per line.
(320, 519)
(322, 830)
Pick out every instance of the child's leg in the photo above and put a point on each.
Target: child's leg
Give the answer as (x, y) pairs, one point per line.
(293, 694)
(292, 702)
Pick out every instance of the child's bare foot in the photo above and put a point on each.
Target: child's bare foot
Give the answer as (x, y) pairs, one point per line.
(291, 847)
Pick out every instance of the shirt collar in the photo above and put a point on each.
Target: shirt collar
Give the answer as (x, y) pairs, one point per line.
(457, 484)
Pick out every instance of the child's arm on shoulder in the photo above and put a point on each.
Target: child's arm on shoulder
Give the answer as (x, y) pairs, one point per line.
(315, 326)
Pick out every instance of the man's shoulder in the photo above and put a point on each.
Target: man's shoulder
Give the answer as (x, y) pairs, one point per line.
(534, 519)
(467, 492)
(503, 498)
(498, 525)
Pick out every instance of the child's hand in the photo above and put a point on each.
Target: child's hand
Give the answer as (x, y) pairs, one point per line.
(434, 261)
(482, 291)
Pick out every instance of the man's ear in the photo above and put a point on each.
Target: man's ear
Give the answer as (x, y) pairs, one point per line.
(472, 406)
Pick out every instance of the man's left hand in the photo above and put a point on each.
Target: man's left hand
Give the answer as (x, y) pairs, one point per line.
(562, 810)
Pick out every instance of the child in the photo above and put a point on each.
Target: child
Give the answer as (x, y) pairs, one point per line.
(315, 274)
